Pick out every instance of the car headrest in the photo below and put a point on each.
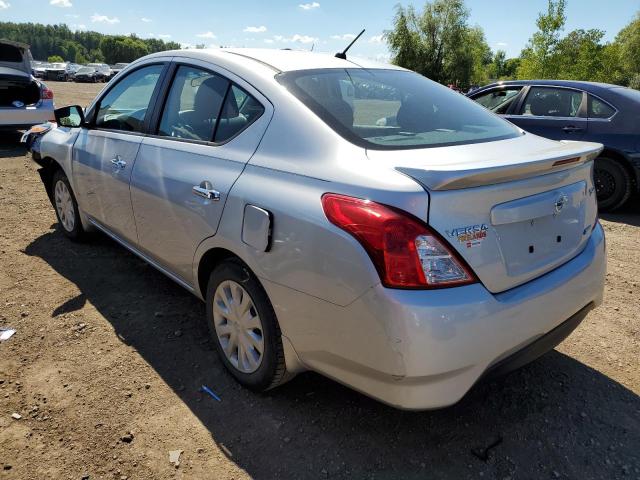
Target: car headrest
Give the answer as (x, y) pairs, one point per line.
(412, 117)
(340, 109)
(210, 92)
(547, 105)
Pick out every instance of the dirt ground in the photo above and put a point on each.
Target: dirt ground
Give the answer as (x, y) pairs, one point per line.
(109, 356)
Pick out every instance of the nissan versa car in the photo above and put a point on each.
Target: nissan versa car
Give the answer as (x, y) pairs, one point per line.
(405, 260)
(571, 110)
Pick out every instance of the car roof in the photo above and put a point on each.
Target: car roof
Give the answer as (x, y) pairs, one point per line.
(589, 86)
(285, 60)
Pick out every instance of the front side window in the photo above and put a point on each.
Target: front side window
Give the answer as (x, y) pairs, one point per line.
(552, 102)
(393, 109)
(499, 100)
(599, 109)
(125, 106)
(204, 106)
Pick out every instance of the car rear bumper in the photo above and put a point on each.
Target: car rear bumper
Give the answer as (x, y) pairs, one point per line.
(419, 350)
(16, 118)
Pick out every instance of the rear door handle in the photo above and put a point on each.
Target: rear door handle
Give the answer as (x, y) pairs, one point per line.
(572, 128)
(118, 162)
(205, 190)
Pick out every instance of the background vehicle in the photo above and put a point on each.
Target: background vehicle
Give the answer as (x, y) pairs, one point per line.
(115, 69)
(568, 110)
(58, 71)
(103, 70)
(87, 74)
(404, 260)
(24, 100)
(38, 69)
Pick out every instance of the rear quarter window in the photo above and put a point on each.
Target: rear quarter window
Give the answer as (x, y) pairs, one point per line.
(599, 109)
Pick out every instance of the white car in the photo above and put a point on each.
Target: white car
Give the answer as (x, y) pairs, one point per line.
(405, 258)
(24, 100)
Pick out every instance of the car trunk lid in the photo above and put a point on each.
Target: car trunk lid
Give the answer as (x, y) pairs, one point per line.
(16, 56)
(513, 209)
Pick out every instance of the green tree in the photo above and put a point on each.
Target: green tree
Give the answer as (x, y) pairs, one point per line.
(498, 65)
(579, 55)
(539, 59)
(55, 59)
(511, 66)
(439, 43)
(625, 51)
(79, 46)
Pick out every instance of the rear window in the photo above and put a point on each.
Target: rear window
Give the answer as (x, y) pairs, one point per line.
(9, 53)
(393, 109)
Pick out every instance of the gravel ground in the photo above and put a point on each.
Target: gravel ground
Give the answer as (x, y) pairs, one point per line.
(109, 355)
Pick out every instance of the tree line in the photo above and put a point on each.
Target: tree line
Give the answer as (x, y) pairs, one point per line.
(439, 43)
(81, 46)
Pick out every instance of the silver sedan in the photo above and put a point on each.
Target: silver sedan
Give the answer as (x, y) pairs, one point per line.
(337, 215)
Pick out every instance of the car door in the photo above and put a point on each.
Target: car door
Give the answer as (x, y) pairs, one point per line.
(105, 152)
(557, 113)
(208, 128)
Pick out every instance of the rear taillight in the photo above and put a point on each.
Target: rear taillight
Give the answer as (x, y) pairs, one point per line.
(405, 251)
(46, 93)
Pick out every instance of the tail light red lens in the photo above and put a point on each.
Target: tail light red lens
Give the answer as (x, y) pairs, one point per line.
(405, 251)
(47, 93)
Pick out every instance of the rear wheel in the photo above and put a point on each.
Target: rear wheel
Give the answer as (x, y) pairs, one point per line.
(66, 206)
(613, 184)
(244, 327)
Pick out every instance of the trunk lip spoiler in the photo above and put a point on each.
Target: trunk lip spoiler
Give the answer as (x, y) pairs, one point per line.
(452, 179)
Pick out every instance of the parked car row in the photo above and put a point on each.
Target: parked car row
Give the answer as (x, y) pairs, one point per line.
(67, 71)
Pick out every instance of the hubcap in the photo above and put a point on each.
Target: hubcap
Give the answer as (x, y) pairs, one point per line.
(64, 206)
(238, 326)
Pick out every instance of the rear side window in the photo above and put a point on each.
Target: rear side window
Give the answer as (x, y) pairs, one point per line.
(203, 106)
(499, 100)
(240, 110)
(552, 102)
(125, 106)
(394, 109)
(599, 109)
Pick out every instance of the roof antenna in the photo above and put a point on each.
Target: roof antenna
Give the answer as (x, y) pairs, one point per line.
(343, 55)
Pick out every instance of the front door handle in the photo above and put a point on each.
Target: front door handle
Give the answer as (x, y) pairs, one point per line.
(205, 190)
(572, 128)
(118, 162)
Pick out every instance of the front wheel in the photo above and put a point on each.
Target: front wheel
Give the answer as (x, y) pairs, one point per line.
(244, 327)
(66, 207)
(613, 184)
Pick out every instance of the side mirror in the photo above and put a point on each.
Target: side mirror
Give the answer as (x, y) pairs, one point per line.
(72, 116)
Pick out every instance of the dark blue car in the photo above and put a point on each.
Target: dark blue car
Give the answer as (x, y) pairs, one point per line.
(570, 110)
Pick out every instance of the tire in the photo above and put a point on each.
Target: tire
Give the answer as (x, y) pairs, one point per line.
(66, 207)
(270, 370)
(613, 184)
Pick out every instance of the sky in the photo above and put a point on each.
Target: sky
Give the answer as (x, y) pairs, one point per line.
(324, 25)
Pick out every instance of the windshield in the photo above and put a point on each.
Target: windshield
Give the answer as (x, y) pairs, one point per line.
(394, 109)
(86, 70)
